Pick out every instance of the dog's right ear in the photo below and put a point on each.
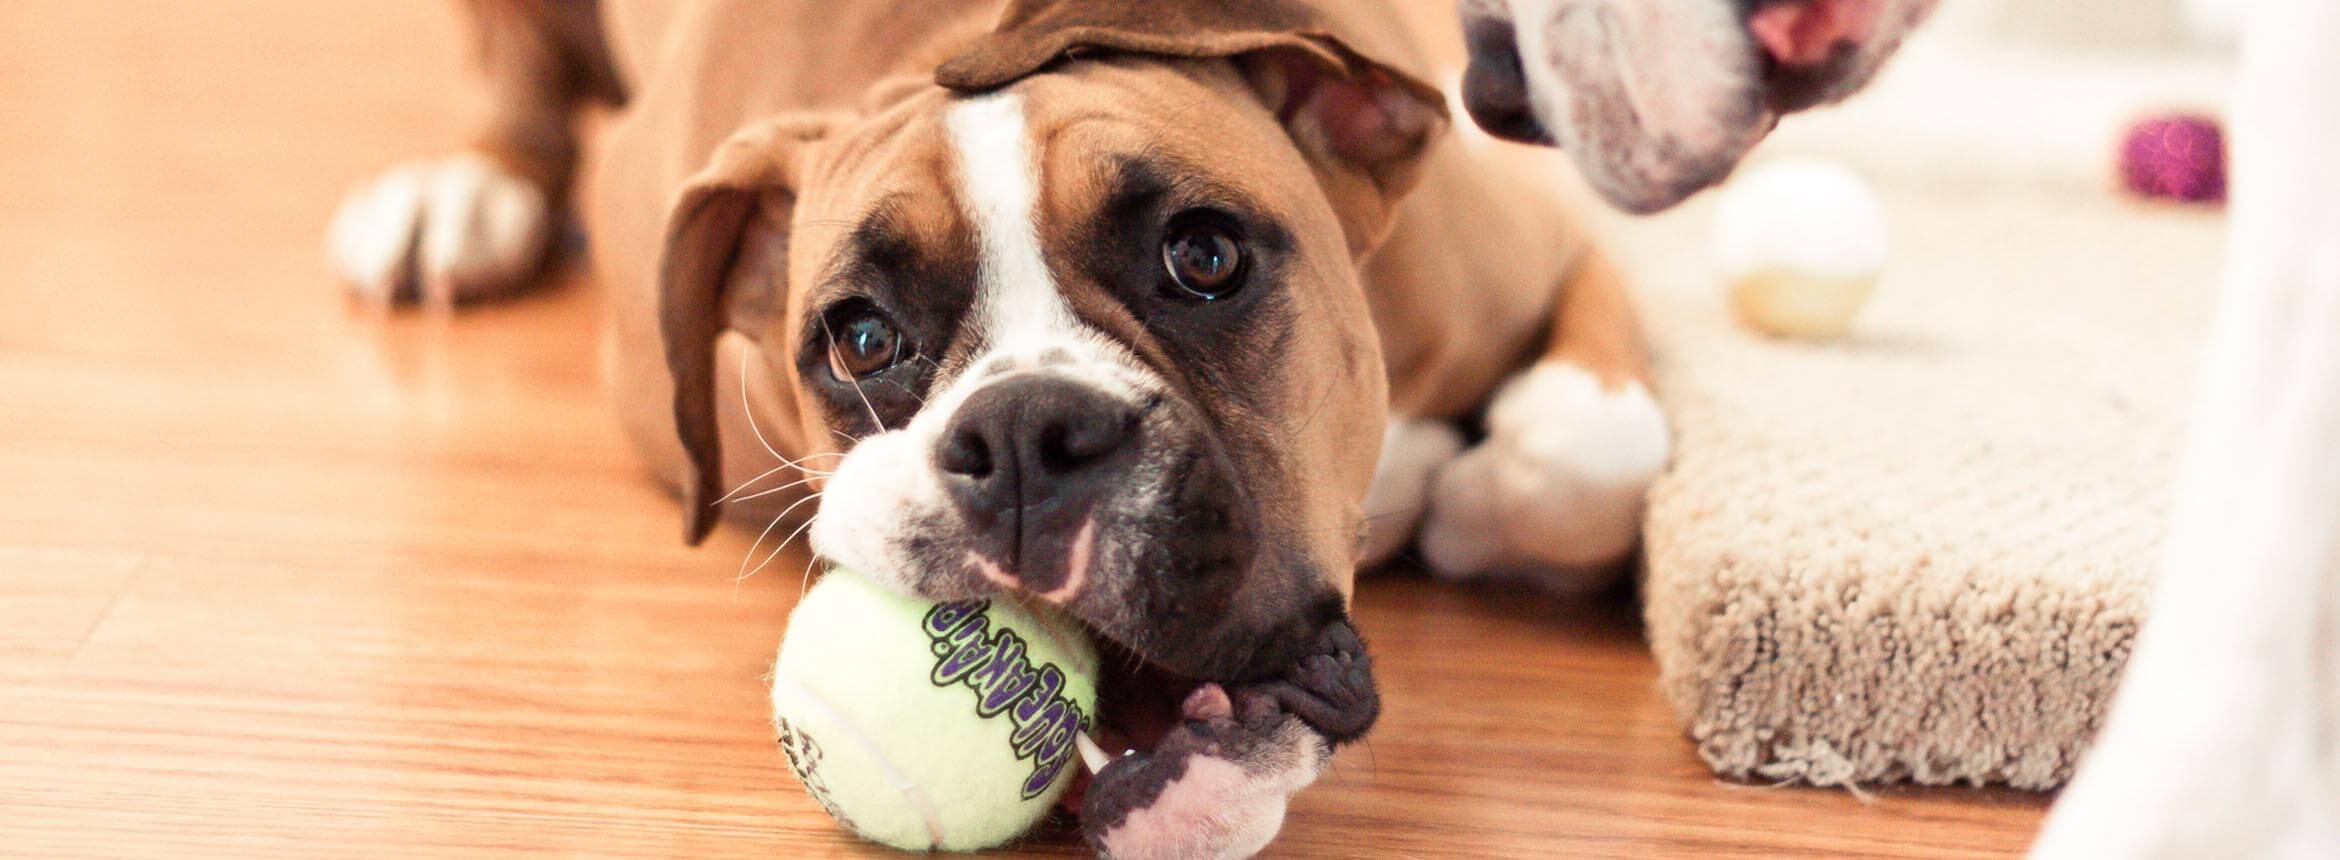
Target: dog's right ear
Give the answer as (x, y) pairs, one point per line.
(758, 167)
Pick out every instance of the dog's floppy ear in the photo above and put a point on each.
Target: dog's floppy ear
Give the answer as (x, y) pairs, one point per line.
(757, 167)
(1365, 121)
(1366, 129)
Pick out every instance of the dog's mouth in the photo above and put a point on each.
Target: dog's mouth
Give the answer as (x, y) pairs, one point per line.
(1138, 705)
(1143, 707)
(1138, 701)
(1811, 50)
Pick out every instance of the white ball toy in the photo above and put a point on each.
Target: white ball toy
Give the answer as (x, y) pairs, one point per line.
(1800, 245)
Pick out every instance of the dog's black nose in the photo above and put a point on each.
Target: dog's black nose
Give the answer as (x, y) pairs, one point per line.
(1032, 441)
(1495, 87)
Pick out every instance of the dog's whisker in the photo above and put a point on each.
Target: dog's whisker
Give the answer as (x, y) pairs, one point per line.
(799, 466)
(1266, 531)
(751, 551)
(805, 583)
(874, 421)
(749, 483)
(909, 391)
(776, 520)
(792, 536)
(782, 546)
(750, 412)
(1318, 410)
(782, 488)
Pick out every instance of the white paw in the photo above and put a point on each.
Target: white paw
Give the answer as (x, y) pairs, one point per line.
(459, 227)
(1412, 450)
(1556, 491)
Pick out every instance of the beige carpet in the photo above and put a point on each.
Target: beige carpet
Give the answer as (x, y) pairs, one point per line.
(1920, 553)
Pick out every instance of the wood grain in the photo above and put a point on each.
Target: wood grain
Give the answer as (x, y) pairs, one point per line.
(283, 577)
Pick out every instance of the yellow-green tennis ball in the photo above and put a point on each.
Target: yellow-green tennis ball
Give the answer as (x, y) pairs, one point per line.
(930, 726)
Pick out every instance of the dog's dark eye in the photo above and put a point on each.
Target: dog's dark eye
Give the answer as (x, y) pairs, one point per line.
(862, 342)
(1203, 258)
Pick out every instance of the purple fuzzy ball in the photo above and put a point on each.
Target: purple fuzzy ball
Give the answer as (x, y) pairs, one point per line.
(2178, 157)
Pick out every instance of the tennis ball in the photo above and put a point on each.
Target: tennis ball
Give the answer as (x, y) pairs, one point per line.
(1800, 245)
(930, 726)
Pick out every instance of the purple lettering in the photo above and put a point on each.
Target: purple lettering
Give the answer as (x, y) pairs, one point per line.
(945, 616)
(968, 650)
(1051, 683)
(1004, 678)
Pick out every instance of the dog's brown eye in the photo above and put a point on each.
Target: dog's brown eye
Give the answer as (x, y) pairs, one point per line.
(862, 343)
(1203, 259)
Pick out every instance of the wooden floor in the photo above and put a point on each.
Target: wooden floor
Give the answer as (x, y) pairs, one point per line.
(278, 577)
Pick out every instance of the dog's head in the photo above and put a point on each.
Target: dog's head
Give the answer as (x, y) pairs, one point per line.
(1657, 99)
(1085, 321)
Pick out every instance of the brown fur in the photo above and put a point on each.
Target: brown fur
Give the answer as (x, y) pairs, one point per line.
(777, 160)
(1471, 277)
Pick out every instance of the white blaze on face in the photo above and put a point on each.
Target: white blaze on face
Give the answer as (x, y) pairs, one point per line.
(999, 181)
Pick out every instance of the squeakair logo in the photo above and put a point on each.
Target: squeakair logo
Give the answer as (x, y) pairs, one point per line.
(994, 664)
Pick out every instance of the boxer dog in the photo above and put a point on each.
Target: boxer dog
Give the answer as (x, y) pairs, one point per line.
(1121, 307)
(2224, 739)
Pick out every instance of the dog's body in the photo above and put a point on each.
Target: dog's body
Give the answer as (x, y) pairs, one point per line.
(1123, 306)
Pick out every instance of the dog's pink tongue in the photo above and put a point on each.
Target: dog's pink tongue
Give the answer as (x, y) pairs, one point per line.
(1807, 32)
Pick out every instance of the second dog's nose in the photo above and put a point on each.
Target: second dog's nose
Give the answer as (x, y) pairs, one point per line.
(1032, 440)
(1495, 87)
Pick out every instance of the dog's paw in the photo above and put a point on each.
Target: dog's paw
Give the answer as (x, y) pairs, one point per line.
(1216, 786)
(1557, 489)
(1412, 450)
(454, 228)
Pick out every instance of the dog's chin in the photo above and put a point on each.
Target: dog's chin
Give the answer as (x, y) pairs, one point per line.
(1644, 171)
(1648, 126)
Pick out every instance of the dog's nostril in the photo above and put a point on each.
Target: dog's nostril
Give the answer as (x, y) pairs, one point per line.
(965, 453)
(1076, 440)
(1033, 440)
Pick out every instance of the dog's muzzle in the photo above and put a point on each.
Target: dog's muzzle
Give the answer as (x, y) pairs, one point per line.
(1029, 460)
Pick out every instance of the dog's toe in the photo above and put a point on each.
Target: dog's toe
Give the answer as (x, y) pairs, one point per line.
(1556, 491)
(454, 228)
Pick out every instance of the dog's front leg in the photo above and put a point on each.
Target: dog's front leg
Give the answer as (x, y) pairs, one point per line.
(482, 222)
(1218, 784)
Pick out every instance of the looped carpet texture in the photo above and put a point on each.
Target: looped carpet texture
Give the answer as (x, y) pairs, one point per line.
(1919, 553)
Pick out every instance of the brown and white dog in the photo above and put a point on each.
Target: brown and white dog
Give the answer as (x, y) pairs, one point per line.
(1124, 307)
